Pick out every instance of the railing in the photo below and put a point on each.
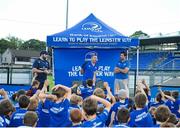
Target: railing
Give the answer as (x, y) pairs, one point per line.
(9, 75)
(14, 75)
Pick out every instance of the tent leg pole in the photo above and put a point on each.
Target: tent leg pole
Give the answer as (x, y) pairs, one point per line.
(137, 69)
(67, 13)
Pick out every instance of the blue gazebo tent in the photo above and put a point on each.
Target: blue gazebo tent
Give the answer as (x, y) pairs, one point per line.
(91, 33)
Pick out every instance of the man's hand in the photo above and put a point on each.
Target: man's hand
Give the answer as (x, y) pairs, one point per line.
(46, 71)
(117, 70)
(3, 93)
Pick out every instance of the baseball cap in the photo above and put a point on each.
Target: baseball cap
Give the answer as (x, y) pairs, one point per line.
(122, 93)
(44, 52)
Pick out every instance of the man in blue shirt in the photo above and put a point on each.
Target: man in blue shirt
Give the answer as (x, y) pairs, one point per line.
(41, 68)
(89, 68)
(121, 74)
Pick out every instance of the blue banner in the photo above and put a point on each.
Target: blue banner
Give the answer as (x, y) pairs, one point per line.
(11, 89)
(68, 62)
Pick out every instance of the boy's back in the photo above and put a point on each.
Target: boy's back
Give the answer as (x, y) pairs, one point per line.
(140, 118)
(99, 121)
(58, 112)
(17, 118)
(86, 91)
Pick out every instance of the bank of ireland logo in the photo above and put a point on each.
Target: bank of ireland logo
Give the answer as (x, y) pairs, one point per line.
(92, 26)
(88, 55)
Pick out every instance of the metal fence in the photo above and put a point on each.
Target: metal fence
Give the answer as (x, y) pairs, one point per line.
(13, 75)
(9, 75)
(154, 77)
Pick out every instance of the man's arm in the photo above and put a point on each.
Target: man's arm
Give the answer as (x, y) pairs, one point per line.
(118, 70)
(94, 78)
(35, 70)
(103, 101)
(83, 67)
(82, 71)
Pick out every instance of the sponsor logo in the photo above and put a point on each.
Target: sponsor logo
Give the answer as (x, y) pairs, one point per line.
(88, 55)
(92, 26)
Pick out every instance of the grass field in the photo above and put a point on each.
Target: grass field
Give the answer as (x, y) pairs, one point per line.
(51, 81)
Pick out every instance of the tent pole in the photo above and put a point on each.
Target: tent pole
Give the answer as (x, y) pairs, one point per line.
(137, 68)
(67, 12)
(127, 54)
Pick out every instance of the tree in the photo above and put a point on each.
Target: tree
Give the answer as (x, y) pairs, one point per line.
(33, 44)
(5, 44)
(15, 40)
(139, 34)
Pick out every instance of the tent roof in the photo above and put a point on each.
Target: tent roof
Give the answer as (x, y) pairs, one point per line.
(91, 32)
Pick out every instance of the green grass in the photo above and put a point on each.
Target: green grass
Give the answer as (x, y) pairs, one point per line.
(51, 81)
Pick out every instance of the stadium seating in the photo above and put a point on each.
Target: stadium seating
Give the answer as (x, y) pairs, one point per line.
(155, 60)
(147, 60)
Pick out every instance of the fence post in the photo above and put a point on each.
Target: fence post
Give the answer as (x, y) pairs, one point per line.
(135, 74)
(10, 75)
(7, 75)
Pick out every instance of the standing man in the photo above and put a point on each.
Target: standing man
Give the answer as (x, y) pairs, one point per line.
(41, 68)
(89, 69)
(121, 74)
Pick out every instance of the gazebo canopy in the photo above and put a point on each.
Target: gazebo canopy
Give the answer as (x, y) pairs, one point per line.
(91, 32)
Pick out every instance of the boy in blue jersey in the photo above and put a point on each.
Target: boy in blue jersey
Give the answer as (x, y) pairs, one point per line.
(162, 114)
(90, 110)
(86, 91)
(100, 93)
(58, 105)
(6, 109)
(176, 103)
(123, 117)
(152, 111)
(123, 102)
(33, 89)
(15, 97)
(76, 117)
(141, 115)
(17, 117)
(168, 99)
(75, 102)
(30, 120)
(38, 107)
(158, 101)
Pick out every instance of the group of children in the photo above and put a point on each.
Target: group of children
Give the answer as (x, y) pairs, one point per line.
(88, 106)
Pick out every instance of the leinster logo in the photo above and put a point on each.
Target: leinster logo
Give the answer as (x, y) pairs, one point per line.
(92, 26)
(88, 55)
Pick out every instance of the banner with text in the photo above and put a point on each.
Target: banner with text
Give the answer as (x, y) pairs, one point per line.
(68, 62)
